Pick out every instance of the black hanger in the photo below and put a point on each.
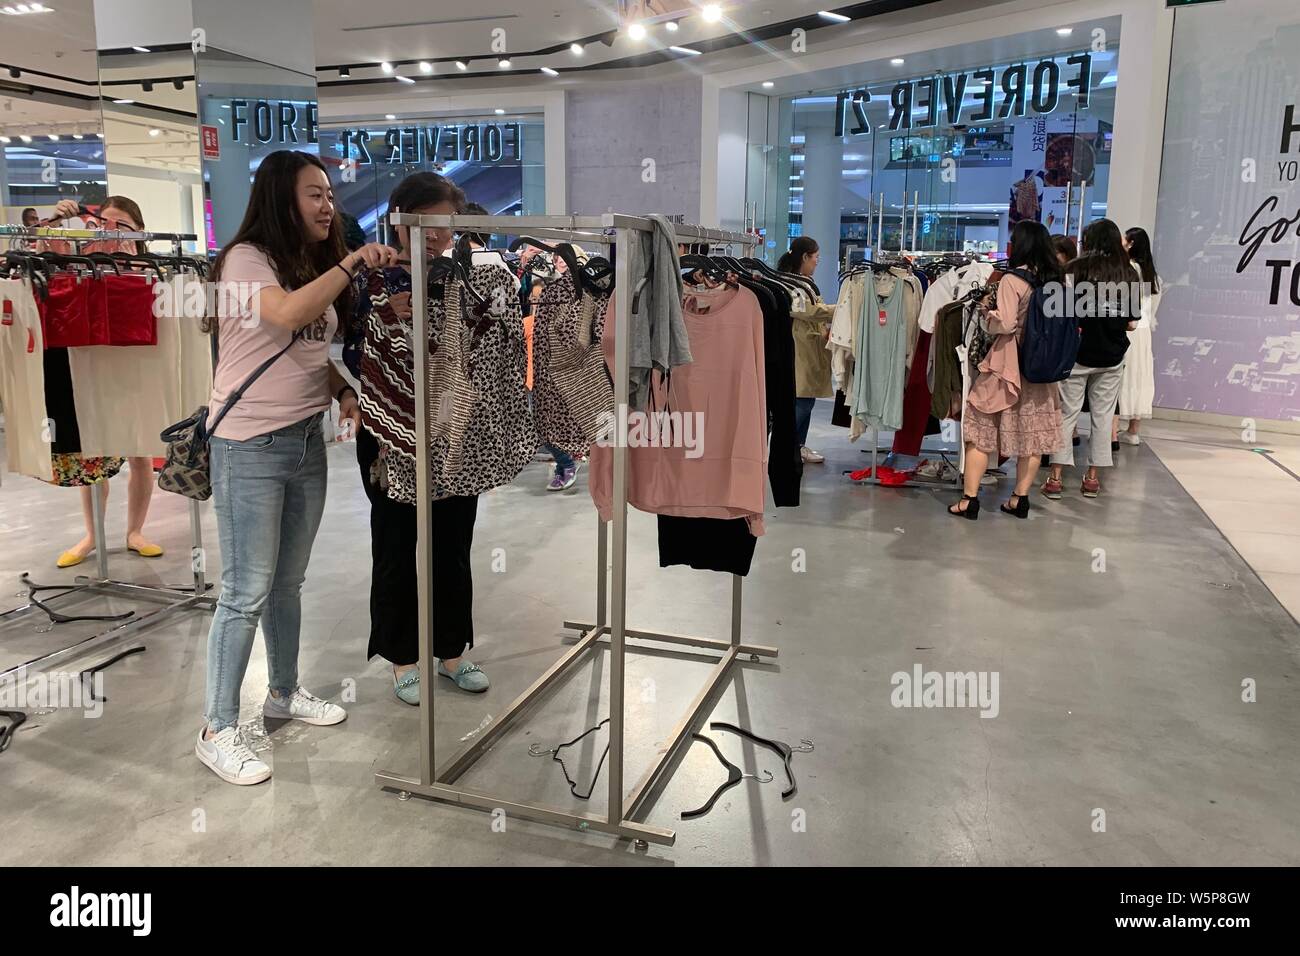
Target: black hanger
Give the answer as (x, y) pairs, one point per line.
(554, 753)
(561, 249)
(734, 776)
(780, 747)
(597, 276)
(104, 259)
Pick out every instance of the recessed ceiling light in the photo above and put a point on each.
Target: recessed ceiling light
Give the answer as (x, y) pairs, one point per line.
(636, 31)
(54, 137)
(76, 136)
(404, 79)
(549, 72)
(671, 26)
(123, 102)
(837, 17)
(462, 65)
(1064, 31)
(576, 49)
(141, 49)
(685, 49)
(712, 12)
(426, 66)
(499, 111)
(386, 67)
(100, 135)
(389, 116)
(155, 132)
(898, 61)
(768, 84)
(503, 64)
(25, 138)
(5, 139)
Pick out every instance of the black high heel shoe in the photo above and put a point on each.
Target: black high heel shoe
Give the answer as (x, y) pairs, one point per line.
(971, 511)
(1021, 510)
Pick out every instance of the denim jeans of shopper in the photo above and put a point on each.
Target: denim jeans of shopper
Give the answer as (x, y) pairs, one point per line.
(803, 409)
(563, 459)
(269, 495)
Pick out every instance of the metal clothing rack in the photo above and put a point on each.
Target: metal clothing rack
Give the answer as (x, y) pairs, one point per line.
(173, 599)
(440, 782)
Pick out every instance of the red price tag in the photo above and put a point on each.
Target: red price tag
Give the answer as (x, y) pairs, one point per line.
(31, 342)
(882, 316)
(8, 317)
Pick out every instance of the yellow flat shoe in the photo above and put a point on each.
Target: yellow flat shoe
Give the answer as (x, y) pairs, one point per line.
(147, 551)
(70, 559)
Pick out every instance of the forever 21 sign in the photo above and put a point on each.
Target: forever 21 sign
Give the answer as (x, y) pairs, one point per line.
(413, 145)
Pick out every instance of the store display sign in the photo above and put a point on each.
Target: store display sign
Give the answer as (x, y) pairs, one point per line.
(274, 122)
(413, 145)
(1025, 88)
(211, 142)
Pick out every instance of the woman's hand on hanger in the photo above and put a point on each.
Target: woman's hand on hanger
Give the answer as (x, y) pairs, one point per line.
(373, 255)
(65, 209)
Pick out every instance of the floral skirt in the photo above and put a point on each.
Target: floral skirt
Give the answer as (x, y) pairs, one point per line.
(73, 471)
(1031, 427)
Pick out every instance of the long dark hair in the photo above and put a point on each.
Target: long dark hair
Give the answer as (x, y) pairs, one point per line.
(1103, 258)
(1139, 250)
(1031, 248)
(1065, 246)
(273, 224)
(793, 260)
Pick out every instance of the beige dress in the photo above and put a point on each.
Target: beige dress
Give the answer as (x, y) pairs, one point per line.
(1004, 415)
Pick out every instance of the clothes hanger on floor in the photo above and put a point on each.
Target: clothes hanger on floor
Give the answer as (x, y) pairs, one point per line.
(780, 747)
(734, 776)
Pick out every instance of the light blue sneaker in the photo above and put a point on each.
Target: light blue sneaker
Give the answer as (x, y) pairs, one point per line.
(467, 677)
(408, 688)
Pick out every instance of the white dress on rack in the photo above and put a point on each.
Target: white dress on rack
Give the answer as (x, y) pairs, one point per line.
(1137, 389)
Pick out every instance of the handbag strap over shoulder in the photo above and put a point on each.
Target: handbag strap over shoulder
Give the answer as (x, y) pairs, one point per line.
(238, 393)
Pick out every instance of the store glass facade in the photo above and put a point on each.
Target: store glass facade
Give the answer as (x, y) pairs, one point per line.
(497, 160)
(42, 172)
(955, 158)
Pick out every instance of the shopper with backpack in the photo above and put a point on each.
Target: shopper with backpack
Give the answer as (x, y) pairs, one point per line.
(1006, 414)
(1107, 306)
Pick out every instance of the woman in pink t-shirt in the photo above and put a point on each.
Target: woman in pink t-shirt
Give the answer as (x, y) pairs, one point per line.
(282, 282)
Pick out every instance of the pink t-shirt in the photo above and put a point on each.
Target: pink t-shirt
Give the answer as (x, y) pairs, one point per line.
(296, 386)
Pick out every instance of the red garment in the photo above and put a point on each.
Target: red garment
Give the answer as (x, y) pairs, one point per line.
(66, 315)
(916, 402)
(129, 307)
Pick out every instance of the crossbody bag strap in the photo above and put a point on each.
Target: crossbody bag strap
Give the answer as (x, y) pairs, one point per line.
(238, 393)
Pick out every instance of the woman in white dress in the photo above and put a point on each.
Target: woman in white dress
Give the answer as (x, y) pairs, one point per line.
(1137, 390)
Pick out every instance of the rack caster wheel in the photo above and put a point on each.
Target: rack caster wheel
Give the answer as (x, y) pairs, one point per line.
(404, 795)
(641, 845)
(754, 657)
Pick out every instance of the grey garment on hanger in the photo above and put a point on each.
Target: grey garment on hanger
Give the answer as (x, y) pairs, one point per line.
(657, 338)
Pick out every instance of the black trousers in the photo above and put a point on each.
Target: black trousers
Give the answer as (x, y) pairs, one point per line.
(394, 608)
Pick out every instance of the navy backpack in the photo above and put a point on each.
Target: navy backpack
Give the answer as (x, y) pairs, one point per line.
(1051, 343)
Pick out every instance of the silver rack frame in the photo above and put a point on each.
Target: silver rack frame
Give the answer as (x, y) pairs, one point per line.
(439, 782)
(174, 599)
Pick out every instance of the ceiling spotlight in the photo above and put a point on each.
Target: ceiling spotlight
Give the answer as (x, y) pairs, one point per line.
(25, 138)
(503, 64)
(768, 84)
(462, 65)
(77, 136)
(344, 72)
(576, 49)
(404, 79)
(100, 135)
(671, 26)
(837, 17)
(636, 31)
(155, 132)
(146, 85)
(712, 12)
(426, 66)
(1064, 31)
(178, 84)
(389, 116)
(141, 49)
(54, 137)
(549, 72)
(15, 72)
(386, 67)
(897, 61)
(499, 111)
(686, 50)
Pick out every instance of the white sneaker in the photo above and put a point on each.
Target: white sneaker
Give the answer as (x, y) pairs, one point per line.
(811, 457)
(1129, 438)
(228, 756)
(300, 705)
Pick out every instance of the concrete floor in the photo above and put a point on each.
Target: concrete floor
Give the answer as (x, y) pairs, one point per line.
(1119, 691)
